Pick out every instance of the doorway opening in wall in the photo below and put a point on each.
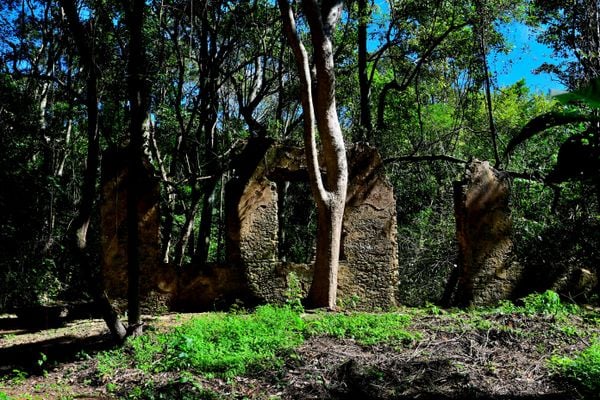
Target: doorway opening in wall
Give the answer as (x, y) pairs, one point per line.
(297, 222)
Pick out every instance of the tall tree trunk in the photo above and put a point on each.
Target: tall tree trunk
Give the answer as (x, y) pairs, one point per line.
(88, 189)
(330, 196)
(139, 102)
(366, 128)
(82, 221)
(482, 22)
(209, 77)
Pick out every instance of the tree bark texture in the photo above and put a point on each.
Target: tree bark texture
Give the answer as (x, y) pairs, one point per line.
(319, 109)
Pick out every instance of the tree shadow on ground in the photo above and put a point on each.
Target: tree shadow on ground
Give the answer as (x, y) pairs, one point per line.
(434, 379)
(35, 357)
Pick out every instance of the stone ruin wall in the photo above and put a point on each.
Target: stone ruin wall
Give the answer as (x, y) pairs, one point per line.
(113, 224)
(368, 274)
(484, 229)
(488, 268)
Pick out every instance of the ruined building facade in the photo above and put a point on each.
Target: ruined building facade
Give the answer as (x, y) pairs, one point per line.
(254, 270)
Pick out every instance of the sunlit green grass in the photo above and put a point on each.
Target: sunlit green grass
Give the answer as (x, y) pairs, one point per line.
(583, 368)
(233, 344)
(365, 328)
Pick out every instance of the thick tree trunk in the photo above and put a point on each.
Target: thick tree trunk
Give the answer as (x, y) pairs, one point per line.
(323, 290)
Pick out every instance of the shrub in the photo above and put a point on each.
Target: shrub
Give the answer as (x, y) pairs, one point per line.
(547, 303)
(583, 368)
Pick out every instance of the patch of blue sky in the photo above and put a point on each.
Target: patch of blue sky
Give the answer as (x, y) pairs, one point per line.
(525, 55)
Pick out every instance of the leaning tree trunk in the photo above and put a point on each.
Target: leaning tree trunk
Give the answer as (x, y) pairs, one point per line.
(330, 195)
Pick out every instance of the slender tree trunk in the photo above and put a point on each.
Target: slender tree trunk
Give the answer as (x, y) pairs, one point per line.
(365, 131)
(212, 169)
(382, 101)
(206, 222)
(487, 82)
(186, 230)
(330, 195)
(209, 99)
(167, 227)
(282, 190)
(139, 102)
(133, 256)
(88, 189)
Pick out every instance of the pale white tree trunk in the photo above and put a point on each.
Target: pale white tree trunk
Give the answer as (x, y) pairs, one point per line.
(319, 109)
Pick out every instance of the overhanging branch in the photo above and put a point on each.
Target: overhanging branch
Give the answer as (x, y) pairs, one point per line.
(414, 159)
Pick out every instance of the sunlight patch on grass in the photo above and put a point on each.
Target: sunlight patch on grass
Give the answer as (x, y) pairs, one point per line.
(365, 328)
(232, 344)
(583, 368)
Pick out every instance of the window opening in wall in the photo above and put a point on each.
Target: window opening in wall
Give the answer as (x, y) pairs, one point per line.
(297, 222)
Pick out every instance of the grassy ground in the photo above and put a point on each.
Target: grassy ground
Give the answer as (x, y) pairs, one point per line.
(540, 349)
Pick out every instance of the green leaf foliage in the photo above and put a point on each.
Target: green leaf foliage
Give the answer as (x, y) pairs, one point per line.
(583, 367)
(365, 328)
(234, 344)
(588, 94)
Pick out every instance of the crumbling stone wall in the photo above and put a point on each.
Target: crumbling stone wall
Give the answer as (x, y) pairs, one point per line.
(368, 269)
(369, 232)
(483, 222)
(113, 224)
(368, 275)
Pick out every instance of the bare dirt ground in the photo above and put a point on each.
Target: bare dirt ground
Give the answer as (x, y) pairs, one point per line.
(459, 356)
